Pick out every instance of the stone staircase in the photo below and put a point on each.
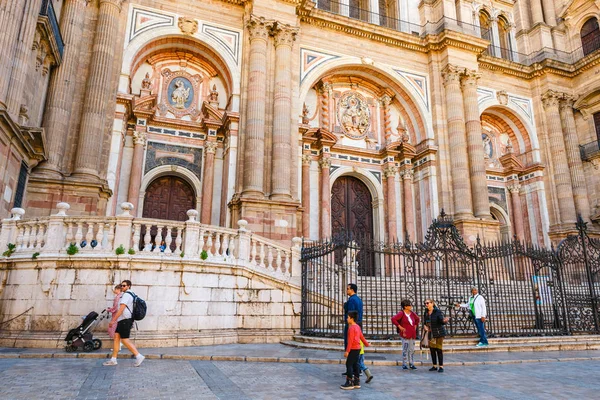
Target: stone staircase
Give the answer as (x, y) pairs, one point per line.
(462, 344)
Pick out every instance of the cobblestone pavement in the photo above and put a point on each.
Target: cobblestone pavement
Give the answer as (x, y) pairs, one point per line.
(82, 379)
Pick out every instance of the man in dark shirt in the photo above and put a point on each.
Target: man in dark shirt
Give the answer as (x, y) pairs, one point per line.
(354, 303)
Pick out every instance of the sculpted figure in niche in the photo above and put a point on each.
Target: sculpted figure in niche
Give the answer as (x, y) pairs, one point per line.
(180, 94)
(487, 146)
(354, 115)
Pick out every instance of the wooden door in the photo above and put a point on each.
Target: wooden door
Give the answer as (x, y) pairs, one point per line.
(169, 198)
(352, 214)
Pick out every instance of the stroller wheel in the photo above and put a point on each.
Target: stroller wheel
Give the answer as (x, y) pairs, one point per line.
(69, 348)
(88, 346)
(97, 344)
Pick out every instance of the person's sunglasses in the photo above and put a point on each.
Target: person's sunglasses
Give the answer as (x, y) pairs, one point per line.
(427, 302)
(123, 285)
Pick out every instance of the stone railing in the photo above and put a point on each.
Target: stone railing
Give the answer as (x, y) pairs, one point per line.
(60, 235)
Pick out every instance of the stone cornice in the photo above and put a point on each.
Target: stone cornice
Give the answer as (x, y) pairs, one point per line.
(31, 139)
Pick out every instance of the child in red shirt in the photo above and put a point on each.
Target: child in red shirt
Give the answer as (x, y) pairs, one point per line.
(407, 322)
(352, 353)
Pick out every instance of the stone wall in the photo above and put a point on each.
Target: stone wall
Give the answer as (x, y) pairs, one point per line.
(189, 302)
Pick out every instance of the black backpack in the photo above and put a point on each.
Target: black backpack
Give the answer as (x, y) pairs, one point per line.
(139, 307)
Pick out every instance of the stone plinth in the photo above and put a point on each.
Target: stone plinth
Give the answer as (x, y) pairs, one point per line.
(277, 220)
(487, 230)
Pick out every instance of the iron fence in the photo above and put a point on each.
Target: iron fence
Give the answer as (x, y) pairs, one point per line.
(529, 290)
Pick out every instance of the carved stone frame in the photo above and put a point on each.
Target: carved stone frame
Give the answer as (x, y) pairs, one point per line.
(165, 106)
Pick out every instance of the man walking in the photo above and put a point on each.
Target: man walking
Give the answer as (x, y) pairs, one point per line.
(123, 318)
(476, 305)
(354, 303)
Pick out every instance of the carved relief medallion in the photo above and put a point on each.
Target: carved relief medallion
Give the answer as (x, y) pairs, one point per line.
(179, 93)
(354, 115)
(187, 26)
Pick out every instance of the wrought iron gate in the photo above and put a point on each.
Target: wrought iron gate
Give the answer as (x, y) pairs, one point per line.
(529, 290)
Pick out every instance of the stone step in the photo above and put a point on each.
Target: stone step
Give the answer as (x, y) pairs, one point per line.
(461, 345)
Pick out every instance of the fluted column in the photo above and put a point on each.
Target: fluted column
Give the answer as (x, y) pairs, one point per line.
(549, 12)
(135, 176)
(22, 59)
(98, 90)
(282, 104)
(481, 202)
(254, 151)
(571, 140)
(537, 14)
(210, 149)
(306, 161)
(325, 94)
(409, 215)
(325, 163)
(461, 182)
(62, 85)
(517, 209)
(562, 177)
(11, 14)
(390, 184)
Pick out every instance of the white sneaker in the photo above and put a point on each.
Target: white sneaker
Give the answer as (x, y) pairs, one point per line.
(110, 362)
(138, 360)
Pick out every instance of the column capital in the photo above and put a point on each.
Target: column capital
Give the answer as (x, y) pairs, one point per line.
(470, 77)
(385, 100)
(407, 174)
(325, 163)
(140, 138)
(117, 3)
(566, 101)
(551, 98)
(285, 35)
(390, 171)
(325, 88)
(451, 74)
(259, 27)
(514, 188)
(306, 159)
(210, 147)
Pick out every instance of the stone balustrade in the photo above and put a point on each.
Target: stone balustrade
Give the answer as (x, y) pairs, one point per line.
(126, 236)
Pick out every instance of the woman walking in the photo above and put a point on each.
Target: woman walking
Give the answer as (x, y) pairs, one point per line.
(434, 326)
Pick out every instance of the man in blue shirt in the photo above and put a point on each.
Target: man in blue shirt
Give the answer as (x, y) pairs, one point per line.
(354, 303)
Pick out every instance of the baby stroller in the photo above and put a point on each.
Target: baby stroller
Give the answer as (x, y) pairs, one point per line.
(81, 338)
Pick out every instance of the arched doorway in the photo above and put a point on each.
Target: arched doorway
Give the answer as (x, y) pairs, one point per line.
(352, 215)
(167, 197)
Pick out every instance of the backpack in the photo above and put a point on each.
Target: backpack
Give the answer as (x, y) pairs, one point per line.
(139, 307)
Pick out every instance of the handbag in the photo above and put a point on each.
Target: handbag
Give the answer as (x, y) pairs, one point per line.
(424, 344)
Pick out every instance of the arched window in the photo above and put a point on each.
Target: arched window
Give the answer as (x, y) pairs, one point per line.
(486, 27)
(504, 34)
(590, 36)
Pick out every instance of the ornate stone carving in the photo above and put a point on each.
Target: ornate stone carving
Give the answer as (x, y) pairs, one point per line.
(325, 163)
(514, 188)
(488, 147)
(502, 97)
(210, 147)
(566, 101)
(285, 35)
(305, 112)
(140, 138)
(551, 98)
(23, 115)
(147, 82)
(354, 115)
(187, 26)
(390, 171)
(306, 159)
(259, 28)
(407, 174)
(470, 77)
(509, 148)
(451, 74)
(213, 98)
(179, 93)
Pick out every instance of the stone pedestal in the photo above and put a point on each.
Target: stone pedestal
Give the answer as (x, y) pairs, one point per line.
(273, 219)
(488, 230)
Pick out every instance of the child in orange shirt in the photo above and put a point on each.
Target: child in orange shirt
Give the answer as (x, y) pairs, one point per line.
(355, 336)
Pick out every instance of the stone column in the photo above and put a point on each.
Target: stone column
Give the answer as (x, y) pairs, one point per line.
(461, 181)
(62, 85)
(135, 176)
(98, 90)
(325, 163)
(571, 140)
(496, 51)
(306, 161)
(254, 151)
(385, 101)
(537, 14)
(409, 215)
(282, 104)
(374, 11)
(11, 13)
(390, 184)
(562, 177)
(481, 202)
(210, 149)
(22, 58)
(325, 91)
(517, 209)
(549, 12)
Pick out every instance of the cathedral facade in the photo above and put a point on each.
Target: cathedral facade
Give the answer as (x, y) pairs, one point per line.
(306, 118)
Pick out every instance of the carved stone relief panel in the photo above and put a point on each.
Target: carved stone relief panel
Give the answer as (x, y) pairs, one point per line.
(353, 115)
(180, 93)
